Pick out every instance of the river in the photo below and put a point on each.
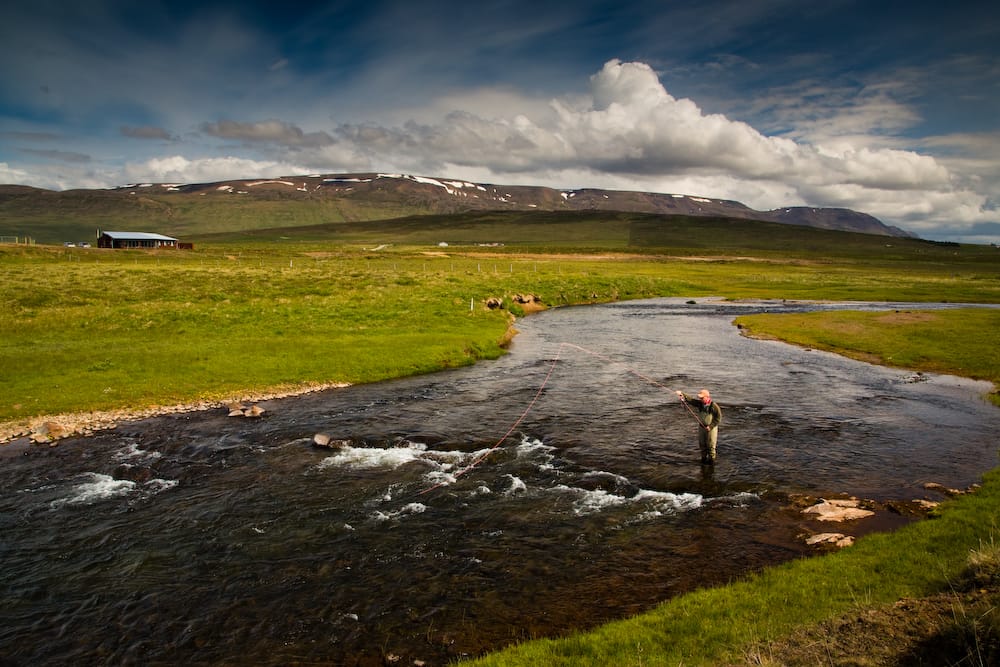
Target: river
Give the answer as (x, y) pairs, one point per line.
(548, 491)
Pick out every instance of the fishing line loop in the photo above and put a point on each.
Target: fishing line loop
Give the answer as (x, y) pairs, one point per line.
(531, 404)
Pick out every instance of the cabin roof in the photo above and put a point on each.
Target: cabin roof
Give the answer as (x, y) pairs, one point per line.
(138, 236)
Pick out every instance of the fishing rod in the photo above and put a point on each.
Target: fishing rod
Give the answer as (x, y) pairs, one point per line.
(531, 404)
(640, 375)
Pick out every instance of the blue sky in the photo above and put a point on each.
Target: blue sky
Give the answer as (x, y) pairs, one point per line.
(890, 108)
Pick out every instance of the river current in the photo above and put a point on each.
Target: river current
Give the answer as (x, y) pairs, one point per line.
(548, 491)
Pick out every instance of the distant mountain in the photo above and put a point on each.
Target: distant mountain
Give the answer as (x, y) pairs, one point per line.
(373, 196)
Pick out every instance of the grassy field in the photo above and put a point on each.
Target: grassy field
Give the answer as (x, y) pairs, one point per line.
(957, 342)
(85, 329)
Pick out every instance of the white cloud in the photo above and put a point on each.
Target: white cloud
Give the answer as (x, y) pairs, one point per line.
(179, 169)
(60, 176)
(632, 133)
(10, 174)
(631, 126)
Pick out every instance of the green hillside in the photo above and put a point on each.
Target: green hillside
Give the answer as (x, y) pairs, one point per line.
(214, 212)
(76, 215)
(562, 231)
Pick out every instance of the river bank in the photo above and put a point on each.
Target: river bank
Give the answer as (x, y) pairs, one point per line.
(49, 429)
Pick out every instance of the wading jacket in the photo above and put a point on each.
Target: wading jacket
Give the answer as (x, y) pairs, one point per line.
(710, 415)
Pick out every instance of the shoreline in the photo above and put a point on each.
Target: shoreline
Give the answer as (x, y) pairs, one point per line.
(49, 429)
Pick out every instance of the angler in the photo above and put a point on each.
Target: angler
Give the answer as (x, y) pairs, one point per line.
(709, 417)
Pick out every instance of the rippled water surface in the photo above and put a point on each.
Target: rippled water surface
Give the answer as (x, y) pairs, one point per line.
(200, 538)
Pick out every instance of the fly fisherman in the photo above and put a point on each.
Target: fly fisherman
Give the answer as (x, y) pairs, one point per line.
(709, 417)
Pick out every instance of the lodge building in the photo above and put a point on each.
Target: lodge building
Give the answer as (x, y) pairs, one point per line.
(134, 240)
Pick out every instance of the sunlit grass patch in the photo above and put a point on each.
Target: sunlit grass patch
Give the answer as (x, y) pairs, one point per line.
(984, 562)
(956, 341)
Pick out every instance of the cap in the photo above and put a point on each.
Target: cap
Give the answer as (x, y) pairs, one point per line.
(704, 394)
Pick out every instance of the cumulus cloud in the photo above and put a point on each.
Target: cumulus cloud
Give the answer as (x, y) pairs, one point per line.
(630, 130)
(10, 174)
(60, 175)
(630, 126)
(628, 133)
(180, 169)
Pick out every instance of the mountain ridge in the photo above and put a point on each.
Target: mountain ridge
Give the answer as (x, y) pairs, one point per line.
(419, 194)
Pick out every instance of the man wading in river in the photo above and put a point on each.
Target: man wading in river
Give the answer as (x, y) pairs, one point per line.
(709, 417)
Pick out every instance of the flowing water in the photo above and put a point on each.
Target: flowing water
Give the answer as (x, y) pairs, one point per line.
(203, 539)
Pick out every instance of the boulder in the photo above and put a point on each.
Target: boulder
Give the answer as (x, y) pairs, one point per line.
(253, 411)
(239, 410)
(49, 431)
(838, 510)
(324, 441)
(836, 539)
(494, 302)
(56, 430)
(940, 488)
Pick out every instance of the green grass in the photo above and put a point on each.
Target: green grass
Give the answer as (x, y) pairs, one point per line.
(131, 331)
(961, 341)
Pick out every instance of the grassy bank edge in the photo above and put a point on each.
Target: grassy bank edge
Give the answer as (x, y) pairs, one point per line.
(954, 342)
(729, 625)
(85, 422)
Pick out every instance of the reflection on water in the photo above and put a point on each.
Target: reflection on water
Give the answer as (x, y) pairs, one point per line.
(201, 539)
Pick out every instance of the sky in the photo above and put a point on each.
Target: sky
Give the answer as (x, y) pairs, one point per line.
(887, 107)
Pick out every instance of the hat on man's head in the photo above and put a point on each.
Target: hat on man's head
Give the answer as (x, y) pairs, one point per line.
(704, 394)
